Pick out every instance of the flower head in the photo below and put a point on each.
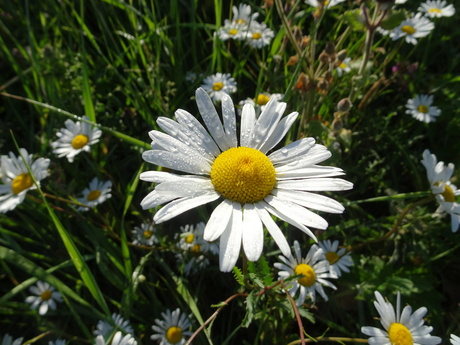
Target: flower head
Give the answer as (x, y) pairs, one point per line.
(344, 66)
(252, 184)
(172, 328)
(242, 14)
(339, 260)
(421, 109)
(144, 235)
(8, 340)
(118, 324)
(326, 3)
(415, 27)
(404, 328)
(259, 35)
(117, 339)
(45, 297)
(437, 8)
(97, 193)
(232, 30)
(219, 85)
(75, 138)
(16, 178)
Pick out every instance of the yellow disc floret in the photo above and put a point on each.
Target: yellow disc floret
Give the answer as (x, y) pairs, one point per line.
(232, 32)
(435, 10)
(399, 334)
(190, 238)
(46, 295)
(410, 30)
(173, 334)
(422, 108)
(332, 257)
(243, 174)
(448, 194)
(309, 275)
(218, 86)
(147, 234)
(262, 99)
(21, 182)
(256, 36)
(93, 195)
(79, 141)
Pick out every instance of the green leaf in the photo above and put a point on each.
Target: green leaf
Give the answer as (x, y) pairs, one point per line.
(393, 20)
(354, 19)
(238, 276)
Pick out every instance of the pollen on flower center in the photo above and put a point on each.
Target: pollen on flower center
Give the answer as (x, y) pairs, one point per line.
(256, 35)
(434, 10)
(422, 108)
(79, 141)
(309, 275)
(196, 248)
(174, 334)
(189, 238)
(448, 194)
(218, 86)
(93, 195)
(262, 99)
(232, 32)
(21, 182)
(332, 257)
(399, 334)
(46, 295)
(410, 30)
(343, 65)
(147, 234)
(243, 174)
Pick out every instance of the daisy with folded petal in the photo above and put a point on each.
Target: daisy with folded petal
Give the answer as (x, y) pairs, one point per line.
(16, 178)
(45, 297)
(8, 340)
(219, 85)
(259, 35)
(400, 328)
(144, 235)
(421, 108)
(252, 184)
(97, 193)
(232, 30)
(172, 329)
(437, 8)
(242, 14)
(117, 339)
(118, 324)
(413, 28)
(327, 3)
(75, 138)
(454, 340)
(339, 260)
(313, 271)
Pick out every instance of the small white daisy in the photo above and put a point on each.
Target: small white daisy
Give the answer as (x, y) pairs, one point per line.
(415, 27)
(327, 3)
(314, 269)
(242, 14)
(118, 339)
(45, 297)
(404, 328)
(8, 340)
(232, 30)
(118, 324)
(260, 101)
(339, 260)
(75, 138)
(259, 35)
(421, 109)
(437, 8)
(57, 342)
(97, 193)
(219, 85)
(144, 235)
(172, 329)
(344, 66)
(454, 340)
(16, 178)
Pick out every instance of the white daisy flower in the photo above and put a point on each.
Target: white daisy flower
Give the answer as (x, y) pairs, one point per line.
(144, 235)
(454, 340)
(253, 185)
(421, 109)
(57, 342)
(327, 3)
(219, 85)
(400, 2)
(172, 328)
(118, 324)
(259, 35)
(96, 194)
(339, 260)
(344, 66)
(45, 297)
(16, 178)
(8, 340)
(242, 14)
(415, 27)
(232, 30)
(260, 101)
(437, 8)
(314, 269)
(75, 138)
(118, 339)
(404, 328)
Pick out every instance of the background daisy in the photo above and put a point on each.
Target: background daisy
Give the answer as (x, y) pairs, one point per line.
(259, 35)
(339, 260)
(118, 323)
(144, 235)
(117, 339)
(8, 340)
(344, 66)
(437, 8)
(413, 28)
(219, 85)
(327, 3)
(421, 109)
(97, 193)
(45, 297)
(172, 329)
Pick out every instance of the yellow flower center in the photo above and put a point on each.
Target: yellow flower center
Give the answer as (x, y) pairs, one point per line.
(256, 35)
(241, 21)
(332, 257)
(309, 275)
(196, 248)
(243, 174)
(79, 141)
(189, 238)
(343, 65)
(262, 99)
(21, 182)
(399, 334)
(434, 10)
(93, 195)
(232, 32)
(422, 109)
(46, 295)
(218, 86)
(174, 334)
(408, 29)
(147, 234)
(448, 194)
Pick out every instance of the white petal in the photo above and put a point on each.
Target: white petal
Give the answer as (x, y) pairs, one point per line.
(310, 200)
(160, 176)
(292, 171)
(248, 120)
(253, 235)
(230, 240)
(266, 124)
(190, 187)
(192, 162)
(218, 221)
(316, 184)
(280, 131)
(229, 117)
(176, 207)
(292, 151)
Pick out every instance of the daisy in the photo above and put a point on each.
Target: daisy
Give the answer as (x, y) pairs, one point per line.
(412, 28)
(242, 14)
(232, 30)
(97, 193)
(118, 339)
(252, 184)
(260, 101)
(172, 328)
(219, 85)
(16, 178)
(404, 328)
(314, 271)
(327, 3)
(104, 328)
(454, 340)
(144, 235)
(421, 109)
(339, 260)
(259, 35)
(437, 8)
(45, 297)
(75, 138)
(8, 340)
(344, 66)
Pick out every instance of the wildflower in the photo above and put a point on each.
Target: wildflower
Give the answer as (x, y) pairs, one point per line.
(314, 271)
(96, 194)
(454, 340)
(252, 184)
(57, 342)
(437, 8)
(45, 297)
(75, 138)
(144, 235)
(421, 109)
(219, 85)
(412, 28)
(339, 261)
(242, 14)
(8, 340)
(404, 328)
(172, 328)
(232, 30)
(260, 101)
(326, 3)
(344, 67)
(16, 178)
(104, 328)
(445, 192)
(259, 35)
(118, 339)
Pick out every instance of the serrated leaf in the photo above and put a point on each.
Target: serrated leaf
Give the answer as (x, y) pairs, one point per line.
(306, 314)
(250, 306)
(238, 275)
(265, 271)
